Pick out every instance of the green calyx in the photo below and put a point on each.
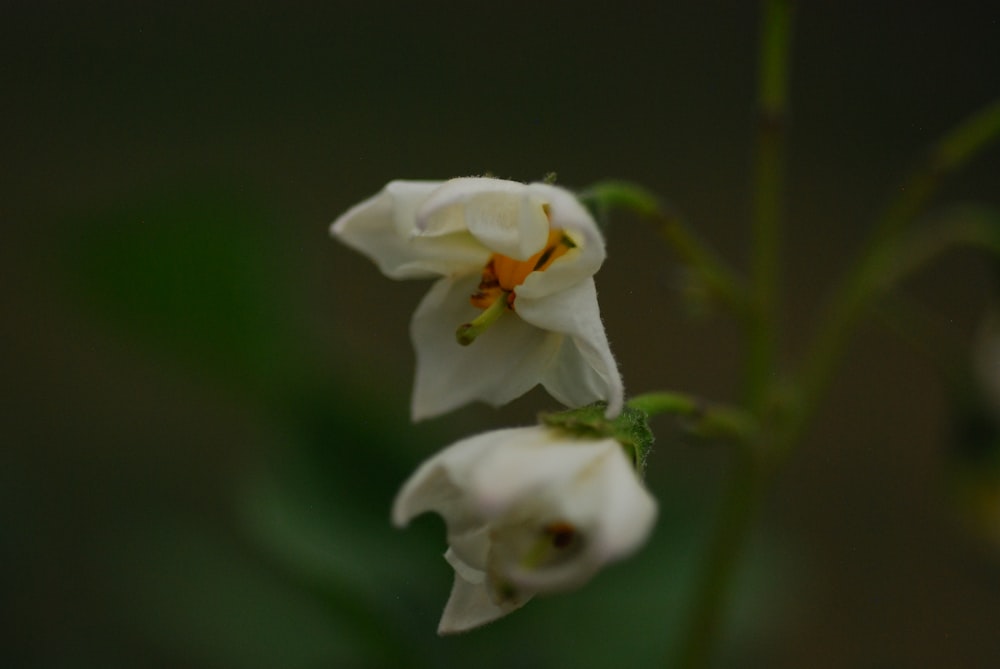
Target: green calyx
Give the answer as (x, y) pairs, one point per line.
(630, 428)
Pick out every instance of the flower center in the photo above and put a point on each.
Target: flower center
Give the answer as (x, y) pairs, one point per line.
(557, 541)
(561, 534)
(501, 276)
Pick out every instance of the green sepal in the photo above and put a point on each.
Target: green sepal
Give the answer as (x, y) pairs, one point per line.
(630, 429)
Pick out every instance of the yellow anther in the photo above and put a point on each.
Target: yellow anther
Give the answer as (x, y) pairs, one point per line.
(503, 274)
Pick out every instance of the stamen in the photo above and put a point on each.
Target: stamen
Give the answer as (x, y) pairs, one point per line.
(489, 288)
(467, 332)
(501, 276)
(549, 254)
(511, 273)
(544, 258)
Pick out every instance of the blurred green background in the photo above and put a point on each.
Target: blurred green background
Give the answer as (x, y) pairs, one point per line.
(205, 399)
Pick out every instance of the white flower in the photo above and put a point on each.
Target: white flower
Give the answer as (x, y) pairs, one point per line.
(529, 510)
(516, 264)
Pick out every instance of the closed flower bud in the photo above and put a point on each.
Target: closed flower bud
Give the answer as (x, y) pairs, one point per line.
(528, 511)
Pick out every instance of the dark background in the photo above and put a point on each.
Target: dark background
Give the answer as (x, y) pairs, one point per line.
(205, 398)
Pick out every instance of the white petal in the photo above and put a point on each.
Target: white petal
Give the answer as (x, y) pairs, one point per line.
(469, 549)
(505, 216)
(567, 214)
(529, 465)
(383, 228)
(524, 486)
(628, 513)
(503, 363)
(610, 508)
(578, 263)
(500, 492)
(480, 544)
(470, 606)
(441, 483)
(586, 371)
(572, 380)
(406, 198)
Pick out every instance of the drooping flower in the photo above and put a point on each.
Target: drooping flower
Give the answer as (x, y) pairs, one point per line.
(528, 510)
(515, 304)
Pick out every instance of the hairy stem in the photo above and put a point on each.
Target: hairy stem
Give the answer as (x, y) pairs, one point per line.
(710, 420)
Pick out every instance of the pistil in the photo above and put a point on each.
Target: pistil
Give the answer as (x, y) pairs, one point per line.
(467, 332)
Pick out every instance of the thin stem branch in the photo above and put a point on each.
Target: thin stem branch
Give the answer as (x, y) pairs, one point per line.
(946, 156)
(968, 226)
(768, 199)
(708, 420)
(679, 404)
(714, 584)
(877, 264)
(971, 226)
(723, 284)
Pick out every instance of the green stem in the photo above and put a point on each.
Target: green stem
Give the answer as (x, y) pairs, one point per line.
(970, 226)
(708, 420)
(679, 404)
(877, 266)
(945, 157)
(722, 282)
(746, 487)
(768, 199)
(974, 227)
(714, 583)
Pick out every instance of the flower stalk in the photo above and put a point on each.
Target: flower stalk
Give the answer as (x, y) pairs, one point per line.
(724, 285)
(883, 263)
(745, 489)
(710, 421)
(740, 504)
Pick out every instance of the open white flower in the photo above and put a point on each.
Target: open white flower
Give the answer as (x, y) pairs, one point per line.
(529, 510)
(515, 304)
